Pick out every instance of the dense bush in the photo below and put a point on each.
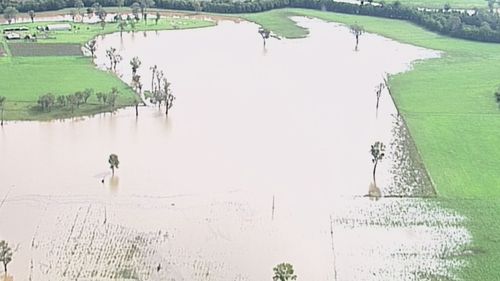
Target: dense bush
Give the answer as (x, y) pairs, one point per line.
(480, 25)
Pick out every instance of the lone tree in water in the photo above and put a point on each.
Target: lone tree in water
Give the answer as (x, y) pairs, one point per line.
(2, 103)
(378, 91)
(135, 63)
(265, 33)
(356, 30)
(377, 151)
(168, 97)
(284, 272)
(5, 255)
(113, 162)
(114, 58)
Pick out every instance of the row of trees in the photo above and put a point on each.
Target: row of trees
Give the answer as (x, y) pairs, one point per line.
(48, 101)
(480, 25)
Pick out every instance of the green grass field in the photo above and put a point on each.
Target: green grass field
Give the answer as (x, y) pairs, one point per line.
(24, 79)
(449, 106)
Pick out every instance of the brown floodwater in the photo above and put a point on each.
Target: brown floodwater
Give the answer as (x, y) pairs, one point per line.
(264, 159)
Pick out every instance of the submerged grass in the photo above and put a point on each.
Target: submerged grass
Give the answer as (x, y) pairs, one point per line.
(449, 107)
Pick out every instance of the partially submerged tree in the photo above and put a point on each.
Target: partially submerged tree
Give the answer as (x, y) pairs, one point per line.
(378, 152)
(357, 31)
(114, 58)
(5, 255)
(31, 14)
(92, 47)
(137, 84)
(265, 33)
(10, 14)
(153, 75)
(161, 91)
(378, 91)
(2, 104)
(284, 272)
(113, 162)
(135, 63)
(168, 97)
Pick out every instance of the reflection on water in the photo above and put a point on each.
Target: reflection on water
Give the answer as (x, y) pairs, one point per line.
(261, 155)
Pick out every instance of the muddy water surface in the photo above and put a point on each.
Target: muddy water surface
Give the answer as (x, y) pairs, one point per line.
(193, 196)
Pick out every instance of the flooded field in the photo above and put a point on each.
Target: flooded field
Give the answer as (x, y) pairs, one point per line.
(264, 159)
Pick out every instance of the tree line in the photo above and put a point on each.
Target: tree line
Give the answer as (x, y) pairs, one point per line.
(47, 102)
(479, 25)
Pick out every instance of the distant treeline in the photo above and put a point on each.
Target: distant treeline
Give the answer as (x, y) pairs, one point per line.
(479, 25)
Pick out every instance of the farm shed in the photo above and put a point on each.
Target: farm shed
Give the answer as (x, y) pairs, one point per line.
(58, 27)
(12, 36)
(11, 29)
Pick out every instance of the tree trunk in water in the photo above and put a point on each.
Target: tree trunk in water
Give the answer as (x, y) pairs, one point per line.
(1, 123)
(357, 42)
(166, 109)
(136, 110)
(374, 170)
(112, 170)
(5, 268)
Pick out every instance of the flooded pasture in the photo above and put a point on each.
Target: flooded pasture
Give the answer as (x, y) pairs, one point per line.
(263, 159)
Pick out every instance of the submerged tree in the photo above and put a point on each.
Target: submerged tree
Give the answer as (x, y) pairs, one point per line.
(265, 33)
(284, 272)
(2, 103)
(5, 255)
(378, 91)
(168, 97)
(135, 63)
(153, 75)
(113, 162)
(378, 152)
(114, 58)
(92, 47)
(357, 31)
